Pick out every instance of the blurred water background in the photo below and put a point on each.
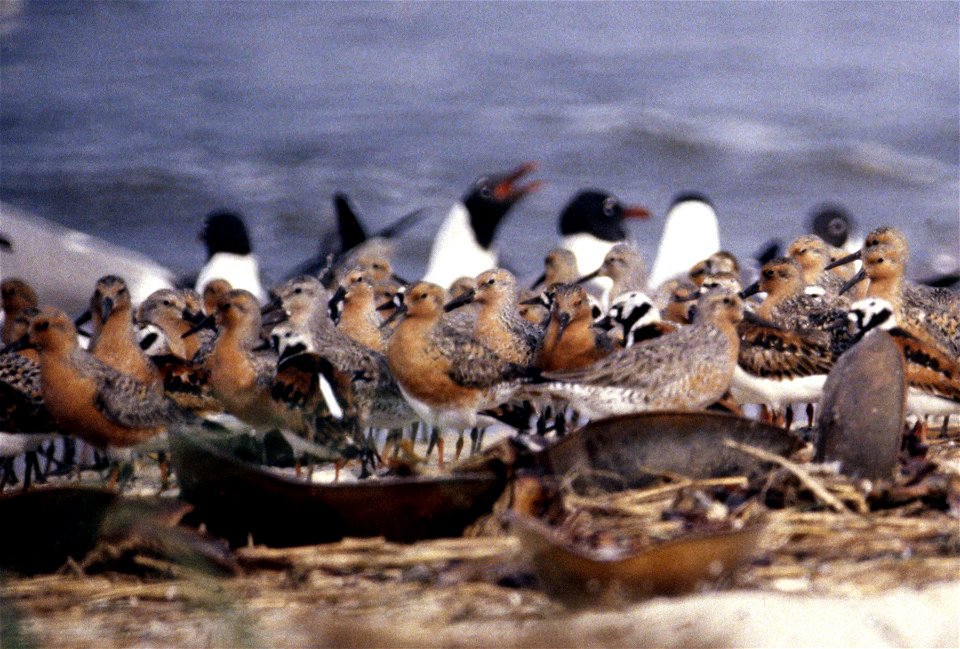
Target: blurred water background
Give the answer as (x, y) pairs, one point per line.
(133, 119)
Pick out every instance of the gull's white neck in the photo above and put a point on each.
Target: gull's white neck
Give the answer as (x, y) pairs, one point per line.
(242, 271)
(690, 235)
(456, 251)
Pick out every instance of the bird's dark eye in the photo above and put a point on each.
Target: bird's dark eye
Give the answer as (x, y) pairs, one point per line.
(298, 290)
(727, 301)
(880, 261)
(491, 282)
(802, 251)
(768, 274)
(167, 303)
(43, 325)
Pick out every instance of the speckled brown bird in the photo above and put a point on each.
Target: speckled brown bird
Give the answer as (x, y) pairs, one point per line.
(813, 254)
(301, 302)
(719, 262)
(446, 375)
(114, 341)
(212, 292)
(88, 398)
(17, 296)
(559, 267)
(24, 420)
(571, 341)
(789, 306)
(686, 370)
(932, 314)
(498, 325)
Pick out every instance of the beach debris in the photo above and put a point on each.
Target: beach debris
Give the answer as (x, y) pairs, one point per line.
(239, 500)
(634, 450)
(609, 574)
(862, 410)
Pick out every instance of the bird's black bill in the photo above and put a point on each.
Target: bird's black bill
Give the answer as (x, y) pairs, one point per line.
(207, 323)
(586, 278)
(844, 260)
(458, 302)
(83, 318)
(853, 281)
(753, 289)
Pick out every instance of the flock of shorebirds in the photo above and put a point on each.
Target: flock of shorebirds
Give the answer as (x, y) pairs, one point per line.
(355, 348)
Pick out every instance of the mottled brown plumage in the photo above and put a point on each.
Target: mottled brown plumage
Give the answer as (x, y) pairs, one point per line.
(114, 341)
(446, 375)
(571, 341)
(685, 370)
(90, 399)
(17, 296)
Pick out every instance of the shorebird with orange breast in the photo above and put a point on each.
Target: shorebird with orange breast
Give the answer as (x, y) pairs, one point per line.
(814, 255)
(786, 359)
(559, 267)
(676, 298)
(719, 262)
(17, 295)
(356, 308)
(302, 303)
(624, 266)
(90, 399)
(570, 340)
(114, 341)
(240, 375)
(446, 375)
(926, 312)
(788, 305)
(212, 292)
(24, 421)
(686, 370)
(499, 326)
(933, 376)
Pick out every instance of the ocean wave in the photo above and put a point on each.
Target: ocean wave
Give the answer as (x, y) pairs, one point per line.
(735, 135)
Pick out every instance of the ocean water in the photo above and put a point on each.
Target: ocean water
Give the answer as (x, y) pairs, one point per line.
(133, 119)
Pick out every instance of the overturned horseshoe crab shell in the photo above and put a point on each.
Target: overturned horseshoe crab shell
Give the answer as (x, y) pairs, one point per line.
(639, 448)
(862, 409)
(581, 576)
(238, 500)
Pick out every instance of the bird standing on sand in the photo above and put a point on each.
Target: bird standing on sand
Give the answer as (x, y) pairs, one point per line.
(90, 399)
(686, 370)
(445, 374)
